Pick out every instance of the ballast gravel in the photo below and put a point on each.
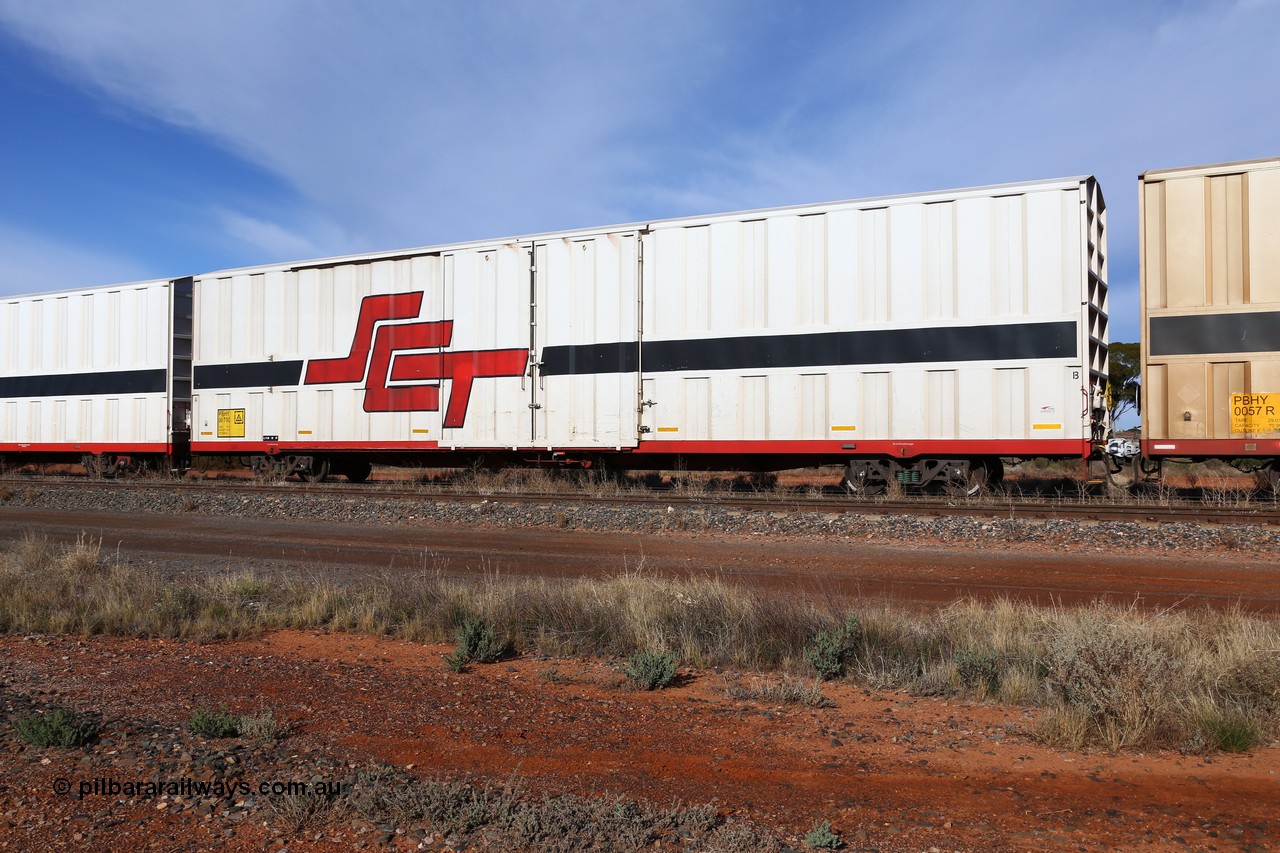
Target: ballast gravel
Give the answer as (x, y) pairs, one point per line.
(1000, 529)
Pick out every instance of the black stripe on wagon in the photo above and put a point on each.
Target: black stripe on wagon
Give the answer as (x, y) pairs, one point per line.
(1252, 331)
(1003, 342)
(116, 383)
(259, 374)
(591, 358)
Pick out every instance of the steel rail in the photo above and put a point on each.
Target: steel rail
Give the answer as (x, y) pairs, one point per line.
(1244, 512)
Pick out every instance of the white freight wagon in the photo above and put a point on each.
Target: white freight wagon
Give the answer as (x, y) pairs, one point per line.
(100, 376)
(912, 337)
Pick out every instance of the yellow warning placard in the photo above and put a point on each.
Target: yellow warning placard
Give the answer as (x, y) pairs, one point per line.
(230, 423)
(1255, 412)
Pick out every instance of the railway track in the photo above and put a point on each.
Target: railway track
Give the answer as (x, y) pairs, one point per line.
(1209, 511)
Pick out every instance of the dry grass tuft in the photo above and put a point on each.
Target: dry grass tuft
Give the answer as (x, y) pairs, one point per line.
(782, 691)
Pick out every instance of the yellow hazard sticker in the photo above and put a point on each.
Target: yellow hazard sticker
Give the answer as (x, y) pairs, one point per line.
(230, 423)
(1255, 412)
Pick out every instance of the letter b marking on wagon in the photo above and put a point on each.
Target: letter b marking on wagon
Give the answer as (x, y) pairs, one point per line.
(384, 351)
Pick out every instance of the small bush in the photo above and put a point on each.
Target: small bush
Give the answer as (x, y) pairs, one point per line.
(821, 837)
(650, 670)
(262, 726)
(58, 728)
(477, 641)
(978, 670)
(829, 651)
(1064, 727)
(214, 724)
(1117, 675)
(295, 812)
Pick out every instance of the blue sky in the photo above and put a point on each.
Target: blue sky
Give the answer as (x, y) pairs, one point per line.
(149, 138)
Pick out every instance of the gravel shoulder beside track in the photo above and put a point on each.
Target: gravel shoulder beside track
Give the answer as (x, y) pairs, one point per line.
(921, 559)
(996, 529)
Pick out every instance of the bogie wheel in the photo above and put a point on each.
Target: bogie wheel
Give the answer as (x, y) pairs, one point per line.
(861, 482)
(357, 471)
(92, 465)
(99, 465)
(269, 469)
(317, 472)
(966, 479)
(135, 467)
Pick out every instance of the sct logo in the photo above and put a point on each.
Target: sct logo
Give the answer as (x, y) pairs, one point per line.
(391, 362)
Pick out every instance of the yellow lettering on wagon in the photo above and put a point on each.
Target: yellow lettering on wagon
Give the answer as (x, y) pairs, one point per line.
(230, 423)
(1255, 412)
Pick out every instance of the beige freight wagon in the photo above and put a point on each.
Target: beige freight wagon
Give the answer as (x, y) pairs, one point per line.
(1210, 273)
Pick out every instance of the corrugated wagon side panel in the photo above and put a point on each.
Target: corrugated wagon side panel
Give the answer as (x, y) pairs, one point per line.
(86, 371)
(1210, 263)
(903, 311)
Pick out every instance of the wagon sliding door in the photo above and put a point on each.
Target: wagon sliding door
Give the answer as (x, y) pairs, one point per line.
(486, 298)
(586, 342)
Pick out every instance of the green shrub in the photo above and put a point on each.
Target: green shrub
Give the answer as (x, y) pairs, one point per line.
(650, 670)
(214, 724)
(978, 670)
(821, 837)
(477, 641)
(1228, 729)
(56, 728)
(829, 651)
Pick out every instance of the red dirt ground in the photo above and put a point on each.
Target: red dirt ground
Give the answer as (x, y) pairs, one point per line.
(890, 771)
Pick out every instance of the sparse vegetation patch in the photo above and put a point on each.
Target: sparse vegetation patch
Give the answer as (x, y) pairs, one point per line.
(1104, 675)
(781, 691)
(56, 727)
(209, 723)
(510, 817)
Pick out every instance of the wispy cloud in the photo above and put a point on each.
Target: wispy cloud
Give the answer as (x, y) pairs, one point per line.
(274, 239)
(34, 263)
(401, 122)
